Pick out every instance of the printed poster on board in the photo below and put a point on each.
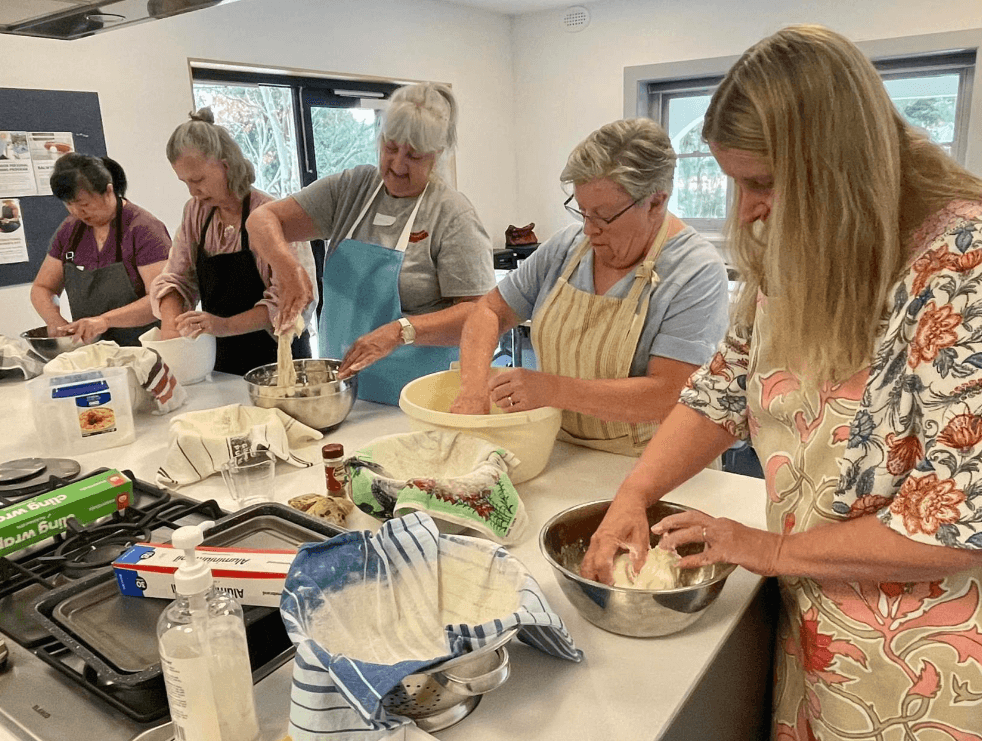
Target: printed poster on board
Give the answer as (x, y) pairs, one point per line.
(16, 171)
(13, 244)
(45, 148)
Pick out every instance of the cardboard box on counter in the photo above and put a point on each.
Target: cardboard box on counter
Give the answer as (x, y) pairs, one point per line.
(46, 515)
(252, 577)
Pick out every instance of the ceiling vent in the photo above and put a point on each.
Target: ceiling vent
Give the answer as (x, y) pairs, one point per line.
(76, 19)
(575, 19)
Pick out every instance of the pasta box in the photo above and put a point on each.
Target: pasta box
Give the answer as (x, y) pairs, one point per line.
(46, 515)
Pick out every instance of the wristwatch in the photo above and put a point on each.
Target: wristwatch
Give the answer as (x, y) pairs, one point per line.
(408, 331)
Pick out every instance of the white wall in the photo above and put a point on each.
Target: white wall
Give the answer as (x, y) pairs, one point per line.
(141, 75)
(529, 91)
(568, 84)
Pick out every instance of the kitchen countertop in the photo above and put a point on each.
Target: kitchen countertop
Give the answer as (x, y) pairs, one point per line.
(625, 688)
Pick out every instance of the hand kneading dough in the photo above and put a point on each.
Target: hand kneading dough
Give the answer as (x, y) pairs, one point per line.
(660, 571)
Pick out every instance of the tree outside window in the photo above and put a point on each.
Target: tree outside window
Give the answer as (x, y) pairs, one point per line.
(260, 119)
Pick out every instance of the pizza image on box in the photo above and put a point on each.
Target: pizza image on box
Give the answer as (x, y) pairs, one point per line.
(95, 421)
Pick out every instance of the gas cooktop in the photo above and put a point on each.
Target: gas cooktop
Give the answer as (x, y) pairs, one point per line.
(54, 597)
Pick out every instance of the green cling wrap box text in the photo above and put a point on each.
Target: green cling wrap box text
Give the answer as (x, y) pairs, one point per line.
(47, 514)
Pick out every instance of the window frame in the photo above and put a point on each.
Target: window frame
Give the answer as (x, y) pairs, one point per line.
(646, 83)
(307, 89)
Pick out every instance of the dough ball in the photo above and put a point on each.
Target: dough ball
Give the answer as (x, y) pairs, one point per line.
(660, 571)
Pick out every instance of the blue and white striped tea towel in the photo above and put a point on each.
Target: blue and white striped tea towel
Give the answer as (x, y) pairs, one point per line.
(367, 610)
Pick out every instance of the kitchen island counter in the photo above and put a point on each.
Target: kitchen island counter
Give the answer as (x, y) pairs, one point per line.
(708, 681)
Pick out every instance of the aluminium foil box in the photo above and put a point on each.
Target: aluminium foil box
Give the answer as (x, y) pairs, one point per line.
(252, 577)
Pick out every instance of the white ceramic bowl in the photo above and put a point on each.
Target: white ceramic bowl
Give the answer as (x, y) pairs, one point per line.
(529, 435)
(189, 360)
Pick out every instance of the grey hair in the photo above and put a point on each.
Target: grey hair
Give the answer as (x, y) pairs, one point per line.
(635, 153)
(202, 135)
(424, 116)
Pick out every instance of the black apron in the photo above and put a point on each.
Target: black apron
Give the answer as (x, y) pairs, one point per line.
(94, 292)
(229, 285)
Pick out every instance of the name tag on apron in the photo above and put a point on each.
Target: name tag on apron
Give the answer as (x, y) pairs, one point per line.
(383, 220)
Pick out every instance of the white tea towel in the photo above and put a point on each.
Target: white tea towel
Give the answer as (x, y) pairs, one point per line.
(451, 476)
(158, 386)
(366, 611)
(201, 442)
(17, 359)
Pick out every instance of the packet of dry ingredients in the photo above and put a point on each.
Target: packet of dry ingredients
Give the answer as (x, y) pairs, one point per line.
(47, 514)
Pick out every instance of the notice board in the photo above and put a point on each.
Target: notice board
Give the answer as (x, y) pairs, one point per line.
(47, 110)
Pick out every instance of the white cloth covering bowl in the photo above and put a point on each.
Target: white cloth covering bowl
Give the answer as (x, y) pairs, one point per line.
(189, 360)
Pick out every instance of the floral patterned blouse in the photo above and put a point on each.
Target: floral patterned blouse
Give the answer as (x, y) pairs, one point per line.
(901, 440)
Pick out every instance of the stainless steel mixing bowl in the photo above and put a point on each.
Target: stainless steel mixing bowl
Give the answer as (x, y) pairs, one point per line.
(632, 612)
(48, 347)
(318, 399)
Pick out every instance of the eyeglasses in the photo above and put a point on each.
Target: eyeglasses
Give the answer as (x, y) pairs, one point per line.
(598, 221)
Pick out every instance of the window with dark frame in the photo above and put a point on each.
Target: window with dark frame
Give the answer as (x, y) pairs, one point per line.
(295, 129)
(932, 91)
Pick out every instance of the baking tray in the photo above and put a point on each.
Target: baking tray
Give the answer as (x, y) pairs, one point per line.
(116, 635)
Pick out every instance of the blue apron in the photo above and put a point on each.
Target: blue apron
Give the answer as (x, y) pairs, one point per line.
(361, 293)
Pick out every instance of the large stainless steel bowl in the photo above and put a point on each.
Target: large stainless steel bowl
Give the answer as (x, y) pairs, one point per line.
(318, 399)
(632, 612)
(48, 347)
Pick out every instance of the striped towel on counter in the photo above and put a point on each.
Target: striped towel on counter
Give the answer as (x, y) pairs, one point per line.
(202, 442)
(366, 611)
(151, 373)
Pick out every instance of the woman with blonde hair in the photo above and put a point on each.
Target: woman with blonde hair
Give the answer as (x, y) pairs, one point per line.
(212, 259)
(402, 245)
(851, 366)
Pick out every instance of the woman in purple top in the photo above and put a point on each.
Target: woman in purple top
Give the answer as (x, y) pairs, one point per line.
(104, 255)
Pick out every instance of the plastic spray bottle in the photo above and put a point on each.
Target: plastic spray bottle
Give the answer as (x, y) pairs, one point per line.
(204, 654)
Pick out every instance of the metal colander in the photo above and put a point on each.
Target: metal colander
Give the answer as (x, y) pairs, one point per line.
(448, 692)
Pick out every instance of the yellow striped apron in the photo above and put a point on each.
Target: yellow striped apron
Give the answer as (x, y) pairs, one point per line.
(582, 335)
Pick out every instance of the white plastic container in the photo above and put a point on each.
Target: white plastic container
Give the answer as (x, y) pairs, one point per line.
(82, 412)
(204, 654)
(529, 435)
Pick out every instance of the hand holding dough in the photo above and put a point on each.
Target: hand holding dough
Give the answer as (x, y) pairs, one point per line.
(660, 571)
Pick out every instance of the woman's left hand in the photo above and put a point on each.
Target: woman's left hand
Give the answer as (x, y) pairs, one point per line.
(519, 389)
(726, 542)
(370, 347)
(193, 323)
(88, 329)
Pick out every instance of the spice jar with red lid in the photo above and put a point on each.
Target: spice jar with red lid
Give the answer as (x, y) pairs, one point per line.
(336, 471)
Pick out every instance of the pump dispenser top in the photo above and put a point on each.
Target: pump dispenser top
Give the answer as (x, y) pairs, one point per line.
(193, 576)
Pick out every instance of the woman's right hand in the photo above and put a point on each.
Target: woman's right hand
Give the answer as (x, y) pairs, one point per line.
(169, 333)
(294, 290)
(58, 330)
(471, 404)
(624, 527)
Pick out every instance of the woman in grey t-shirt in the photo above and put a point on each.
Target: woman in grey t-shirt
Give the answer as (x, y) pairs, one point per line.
(406, 209)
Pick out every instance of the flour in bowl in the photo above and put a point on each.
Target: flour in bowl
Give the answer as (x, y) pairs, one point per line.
(378, 623)
(660, 571)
